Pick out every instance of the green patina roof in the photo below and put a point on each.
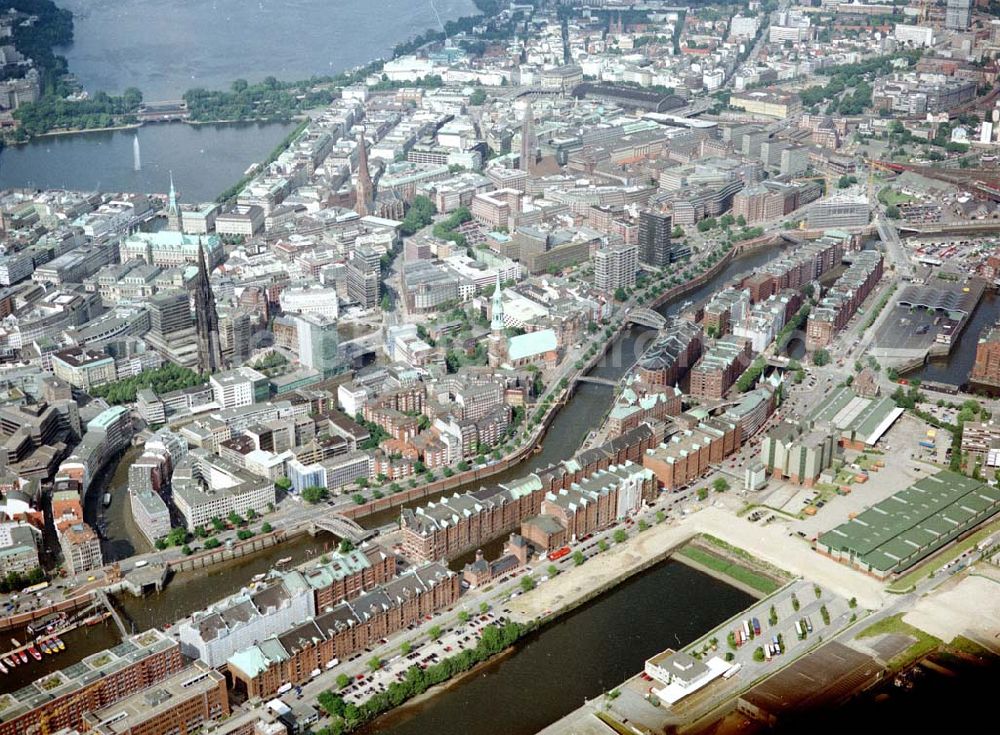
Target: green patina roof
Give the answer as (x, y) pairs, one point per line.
(905, 527)
(532, 343)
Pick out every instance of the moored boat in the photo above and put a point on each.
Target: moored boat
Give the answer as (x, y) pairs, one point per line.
(35, 654)
(59, 644)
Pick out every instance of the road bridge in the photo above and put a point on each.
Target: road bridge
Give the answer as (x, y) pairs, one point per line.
(595, 380)
(647, 318)
(341, 526)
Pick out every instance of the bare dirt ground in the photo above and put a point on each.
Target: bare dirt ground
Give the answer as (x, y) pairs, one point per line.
(968, 608)
(770, 544)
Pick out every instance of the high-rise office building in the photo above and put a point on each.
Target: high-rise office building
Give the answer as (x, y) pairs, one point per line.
(206, 321)
(235, 332)
(170, 314)
(171, 331)
(615, 266)
(318, 343)
(363, 276)
(654, 238)
(958, 14)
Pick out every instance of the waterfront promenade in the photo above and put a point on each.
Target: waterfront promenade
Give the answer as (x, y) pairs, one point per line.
(769, 544)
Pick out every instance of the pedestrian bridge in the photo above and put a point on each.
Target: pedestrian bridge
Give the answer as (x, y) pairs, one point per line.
(647, 318)
(341, 526)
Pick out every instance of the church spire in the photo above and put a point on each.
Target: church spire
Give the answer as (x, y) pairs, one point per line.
(527, 139)
(206, 320)
(496, 324)
(364, 191)
(172, 201)
(496, 349)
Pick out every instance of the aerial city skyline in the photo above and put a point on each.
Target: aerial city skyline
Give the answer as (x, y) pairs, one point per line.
(638, 359)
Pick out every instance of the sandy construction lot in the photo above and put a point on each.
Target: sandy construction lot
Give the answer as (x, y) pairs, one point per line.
(967, 608)
(771, 544)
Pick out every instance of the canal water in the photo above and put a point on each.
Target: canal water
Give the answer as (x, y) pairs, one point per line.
(957, 366)
(205, 159)
(580, 655)
(190, 591)
(590, 403)
(120, 536)
(80, 643)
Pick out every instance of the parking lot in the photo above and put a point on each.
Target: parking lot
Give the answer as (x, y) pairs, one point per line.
(905, 463)
(394, 669)
(792, 644)
(634, 706)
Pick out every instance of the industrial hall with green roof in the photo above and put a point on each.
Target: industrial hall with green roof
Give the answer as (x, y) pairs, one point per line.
(896, 533)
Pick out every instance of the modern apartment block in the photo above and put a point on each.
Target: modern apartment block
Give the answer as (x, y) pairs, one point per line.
(241, 386)
(150, 512)
(958, 14)
(83, 368)
(615, 266)
(206, 486)
(61, 699)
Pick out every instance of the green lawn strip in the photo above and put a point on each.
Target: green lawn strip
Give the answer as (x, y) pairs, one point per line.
(925, 642)
(757, 581)
(966, 645)
(918, 573)
(743, 554)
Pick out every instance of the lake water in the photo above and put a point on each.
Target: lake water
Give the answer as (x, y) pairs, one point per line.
(205, 159)
(165, 47)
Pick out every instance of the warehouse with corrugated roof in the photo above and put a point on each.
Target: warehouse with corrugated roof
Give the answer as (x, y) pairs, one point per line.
(896, 533)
